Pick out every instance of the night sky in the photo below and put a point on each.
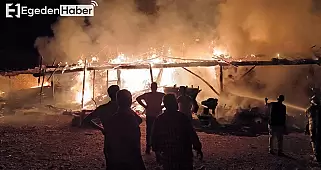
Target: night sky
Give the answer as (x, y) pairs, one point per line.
(18, 35)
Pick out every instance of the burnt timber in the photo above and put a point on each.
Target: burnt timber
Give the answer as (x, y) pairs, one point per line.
(64, 69)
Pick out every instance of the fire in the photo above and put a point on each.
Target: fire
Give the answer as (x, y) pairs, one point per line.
(219, 53)
(88, 95)
(138, 80)
(133, 80)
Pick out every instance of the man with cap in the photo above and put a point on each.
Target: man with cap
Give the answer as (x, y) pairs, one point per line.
(124, 136)
(313, 114)
(185, 102)
(104, 114)
(174, 137)
(153, 106)
(276, 123)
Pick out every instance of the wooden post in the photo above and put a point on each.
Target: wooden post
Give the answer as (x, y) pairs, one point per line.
(53, 86)
(221, 78)
(107, 78)
(151, 73)
(41, 88)
(119, 77)
(94, 77)
(83, 86)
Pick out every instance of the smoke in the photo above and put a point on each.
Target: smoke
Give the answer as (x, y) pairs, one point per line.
(269, 27)
(242, 27)
(120, 26)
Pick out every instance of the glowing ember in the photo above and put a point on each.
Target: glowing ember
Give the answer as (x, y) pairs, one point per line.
(45, 84)
(218, 53)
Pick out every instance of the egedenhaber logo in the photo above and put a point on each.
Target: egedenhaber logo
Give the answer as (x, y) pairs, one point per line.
(15, 11)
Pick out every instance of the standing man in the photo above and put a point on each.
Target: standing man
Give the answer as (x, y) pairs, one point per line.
(185, 103)
(174, 138)
(313, 114)
(124, 136)
(277, 123)
(153, 106)
(104, 114)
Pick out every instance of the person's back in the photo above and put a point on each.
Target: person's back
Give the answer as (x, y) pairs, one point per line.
(106, 111)
(174, 138)
(277, 114)
(154, 103)
(124, 136)
(174, 135)
(276, 124)
(153, 106)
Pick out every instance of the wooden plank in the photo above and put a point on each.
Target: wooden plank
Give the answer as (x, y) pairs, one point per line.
(274, 62)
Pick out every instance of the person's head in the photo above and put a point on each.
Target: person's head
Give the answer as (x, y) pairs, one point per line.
(281, 98)
(112, 91)
(153, 87)
(170, 102)
(315, 100)
(182, 90)
(124, 98)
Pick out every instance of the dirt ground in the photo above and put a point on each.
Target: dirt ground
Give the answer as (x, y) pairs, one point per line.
(49, 142)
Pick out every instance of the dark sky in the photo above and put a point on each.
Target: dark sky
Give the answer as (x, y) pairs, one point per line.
(18, 35)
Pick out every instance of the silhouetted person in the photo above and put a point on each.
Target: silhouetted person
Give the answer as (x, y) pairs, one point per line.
(104, 114)
(153, 108)
(124, 136)
(276, 123)
(211, 104)
(185, 102)
(174, 137)
(314, 115)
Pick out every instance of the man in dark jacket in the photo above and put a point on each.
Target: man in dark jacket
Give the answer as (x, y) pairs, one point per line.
(277, 123)
(124, 136)
(313, 114)
(104, 114)
(174, 137)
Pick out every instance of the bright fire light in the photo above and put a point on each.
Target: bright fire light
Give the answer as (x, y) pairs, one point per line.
(45, 84)
(220, 53)
(79, 85)
(135, 80)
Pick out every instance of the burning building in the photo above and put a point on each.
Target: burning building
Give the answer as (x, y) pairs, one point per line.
(199, 43)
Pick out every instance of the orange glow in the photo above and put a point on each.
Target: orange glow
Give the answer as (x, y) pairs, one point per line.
(45, 84)
(135, 80)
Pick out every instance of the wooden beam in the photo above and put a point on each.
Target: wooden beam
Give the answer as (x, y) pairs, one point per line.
(221, 78)
(151, 73)
(83, 86)
(209, 63)
(119, 78)
(94, 78)
(107, 79)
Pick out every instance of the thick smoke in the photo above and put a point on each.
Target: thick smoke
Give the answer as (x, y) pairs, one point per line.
(243, 27)
(120, 26)
(269, 27)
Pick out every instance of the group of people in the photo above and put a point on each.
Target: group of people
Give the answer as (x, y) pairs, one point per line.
(169, 133)
(277, 125)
